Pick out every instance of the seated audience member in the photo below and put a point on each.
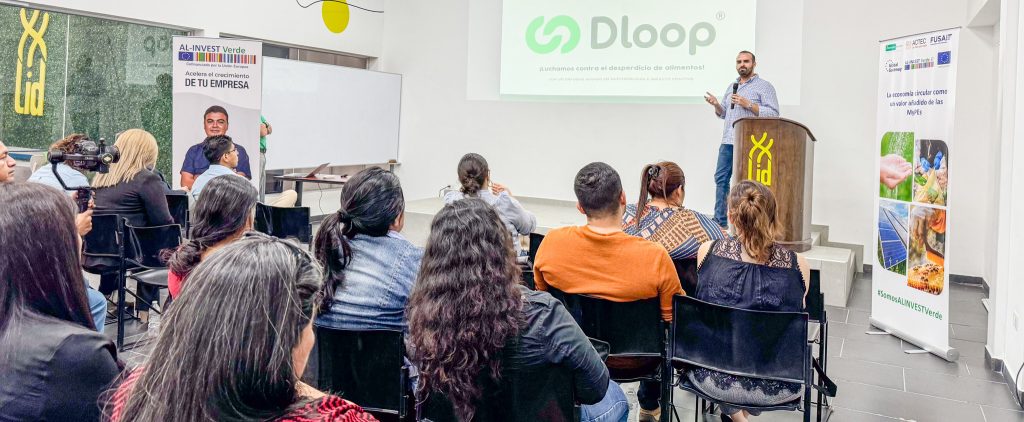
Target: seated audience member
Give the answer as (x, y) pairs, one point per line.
(750, 271)
(215, 123)
(223, 154)
(469, 319)
(369, 268)
(53, 365)
(662, 219)
(475, 177)
(7, 165)
(220, 217)
(73, 176)
(235, 344)
(134, 192)
(600, 260)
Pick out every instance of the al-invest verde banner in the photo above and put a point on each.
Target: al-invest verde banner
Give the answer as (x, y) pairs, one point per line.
(217, 72)
(915, 164)
(656, 48)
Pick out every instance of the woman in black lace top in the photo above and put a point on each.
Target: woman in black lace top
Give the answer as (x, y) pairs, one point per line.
(750, 271)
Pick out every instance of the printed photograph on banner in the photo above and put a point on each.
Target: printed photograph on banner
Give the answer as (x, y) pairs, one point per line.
(896, 166)
(892, 236)
(926, 256)
(931, 163)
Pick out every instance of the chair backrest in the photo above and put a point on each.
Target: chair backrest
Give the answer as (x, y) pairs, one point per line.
(687, 271)
(630, 328)
(815, 302)
(759, 344)
(177, 203)
(284, 222)
(103, 240)
(365, 367)
(539, 393)
(535, 240)
(146, 244)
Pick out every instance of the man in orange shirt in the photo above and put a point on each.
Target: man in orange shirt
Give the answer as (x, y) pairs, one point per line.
(599, 259)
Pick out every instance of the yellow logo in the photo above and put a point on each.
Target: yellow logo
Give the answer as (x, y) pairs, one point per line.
(32, 101)
(762, 172)
(336, 15)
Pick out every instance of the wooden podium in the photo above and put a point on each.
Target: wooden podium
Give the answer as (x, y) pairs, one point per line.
(779, 153)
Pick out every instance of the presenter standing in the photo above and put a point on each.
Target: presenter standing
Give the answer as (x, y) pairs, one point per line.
(747, 96)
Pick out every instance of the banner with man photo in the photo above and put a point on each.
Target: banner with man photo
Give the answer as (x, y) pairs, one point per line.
(217, 86)
(914, 138)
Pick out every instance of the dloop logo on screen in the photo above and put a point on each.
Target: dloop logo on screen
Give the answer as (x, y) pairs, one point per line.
(553, 43)
(606, 32)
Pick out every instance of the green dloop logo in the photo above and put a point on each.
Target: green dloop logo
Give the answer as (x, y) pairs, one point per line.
(560, 21)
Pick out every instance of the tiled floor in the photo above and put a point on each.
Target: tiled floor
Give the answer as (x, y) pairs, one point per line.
(877, 380)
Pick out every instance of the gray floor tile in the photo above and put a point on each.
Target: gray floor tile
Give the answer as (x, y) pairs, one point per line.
(836, 314)
(894, 355)
(882, 375)
(840, 414)
(857, 332)
(858, 317)
(971, 318)
(959, 388)
(900, 404)
(963, 332)
(993, 414)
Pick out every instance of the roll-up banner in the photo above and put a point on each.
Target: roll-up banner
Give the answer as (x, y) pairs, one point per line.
(916, 162)
(217, 85)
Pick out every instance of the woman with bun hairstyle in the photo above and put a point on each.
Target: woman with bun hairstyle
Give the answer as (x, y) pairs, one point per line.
(475, 178)
(750, 271)
(659, 215)
(223, 213)
(369, 268)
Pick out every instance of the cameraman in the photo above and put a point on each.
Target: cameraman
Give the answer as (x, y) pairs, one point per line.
(73, 176)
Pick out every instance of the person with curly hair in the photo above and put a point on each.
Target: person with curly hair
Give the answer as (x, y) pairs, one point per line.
(470, 319)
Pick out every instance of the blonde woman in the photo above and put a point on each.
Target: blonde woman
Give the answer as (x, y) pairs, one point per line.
(133, 191)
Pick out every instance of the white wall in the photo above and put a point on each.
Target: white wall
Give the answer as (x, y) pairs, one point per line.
(278, 21)
(1006, 341)
(536, 148)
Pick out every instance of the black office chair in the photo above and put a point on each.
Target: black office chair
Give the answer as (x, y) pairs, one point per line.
(540, 393)
(284, 222)
(817, 313)
(528, 279)
(143, 256)
(177, 202)
(686, 269)
(634, 332)
(103, 253)
(365, 367)
(757, 344)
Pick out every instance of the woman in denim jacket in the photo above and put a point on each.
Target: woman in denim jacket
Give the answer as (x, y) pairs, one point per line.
(369, 267)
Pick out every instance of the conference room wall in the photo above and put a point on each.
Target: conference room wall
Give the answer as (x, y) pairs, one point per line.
(536, 147)
(282, 22)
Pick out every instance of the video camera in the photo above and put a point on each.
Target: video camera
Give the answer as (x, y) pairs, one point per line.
(88, 156)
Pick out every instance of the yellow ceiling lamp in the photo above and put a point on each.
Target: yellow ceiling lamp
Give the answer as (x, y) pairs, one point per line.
(336, 15)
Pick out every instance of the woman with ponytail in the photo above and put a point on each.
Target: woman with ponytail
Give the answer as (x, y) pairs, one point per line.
(369, 268)
(659, 215)
(475, 178)
(750, 271)
(223, 213)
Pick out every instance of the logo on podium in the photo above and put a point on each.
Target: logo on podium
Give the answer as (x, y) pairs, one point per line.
(760, 169)
(28, 93)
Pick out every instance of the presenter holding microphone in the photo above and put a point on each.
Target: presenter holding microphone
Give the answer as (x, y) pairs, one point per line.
(747, 96)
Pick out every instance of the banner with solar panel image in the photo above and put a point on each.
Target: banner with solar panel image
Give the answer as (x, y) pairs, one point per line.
(914, 138)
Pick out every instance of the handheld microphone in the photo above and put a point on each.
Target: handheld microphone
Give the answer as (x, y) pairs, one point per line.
(735, 87)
